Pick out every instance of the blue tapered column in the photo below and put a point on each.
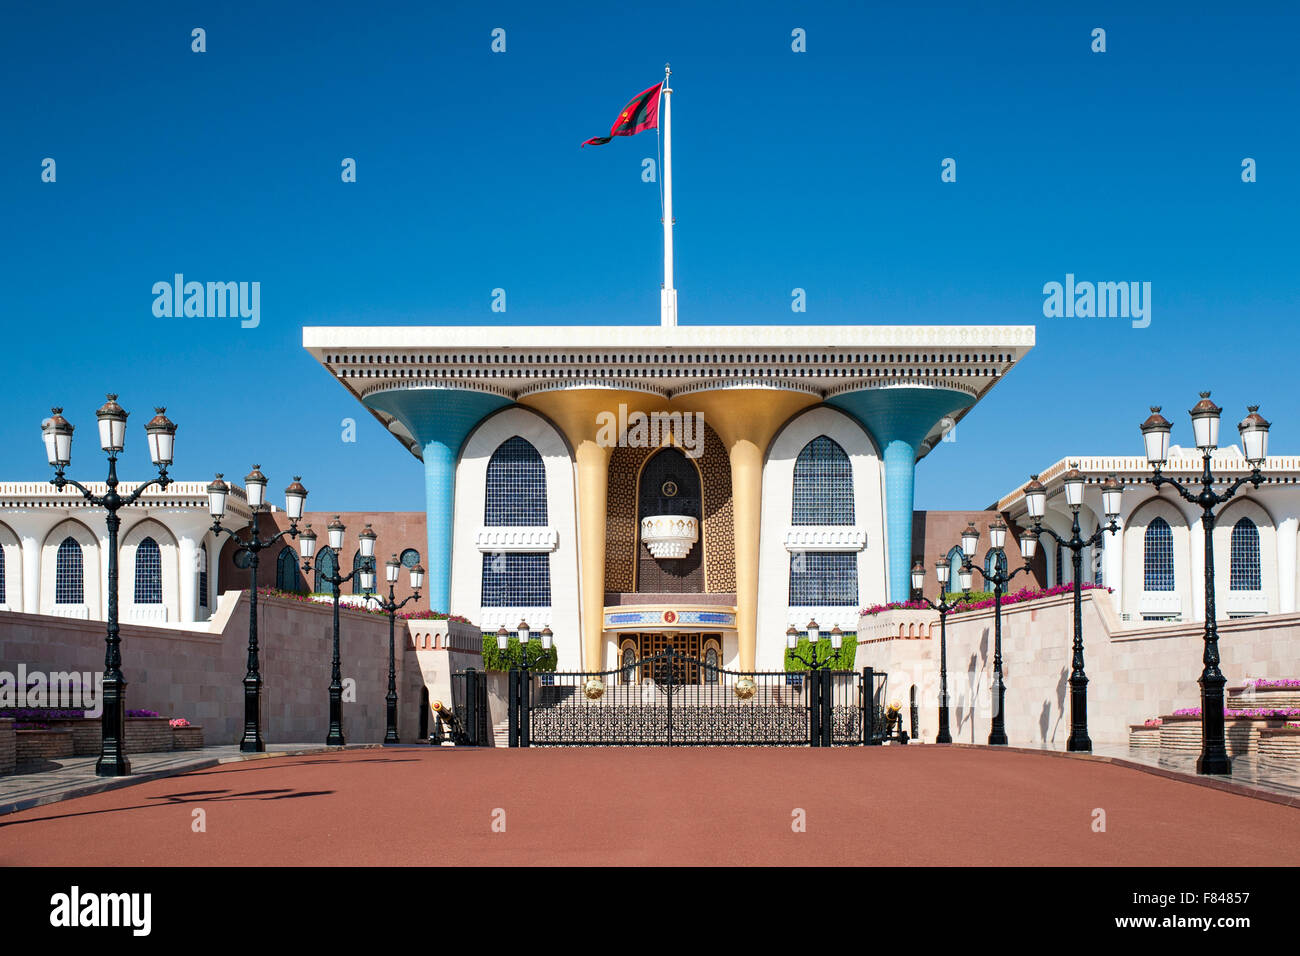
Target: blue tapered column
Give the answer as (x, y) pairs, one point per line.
(899, 417)
(900, 474)
(439, 419)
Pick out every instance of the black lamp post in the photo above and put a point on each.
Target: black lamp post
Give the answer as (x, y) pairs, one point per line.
(393, 568)
(941, 571)
(1036, 501)
(814, 639)
(246, 551)
(1254, 442)
(57, 434)
(999, 579)
(366, 573)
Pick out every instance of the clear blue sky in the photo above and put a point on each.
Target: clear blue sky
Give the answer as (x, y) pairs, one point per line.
(818, 170)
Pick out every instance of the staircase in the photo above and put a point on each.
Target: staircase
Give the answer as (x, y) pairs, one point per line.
(501, 733)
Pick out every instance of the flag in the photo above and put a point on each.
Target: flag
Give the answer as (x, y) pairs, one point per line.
(641, 114)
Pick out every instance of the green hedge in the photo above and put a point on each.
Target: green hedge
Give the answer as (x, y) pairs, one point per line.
(955, 597)
(842, 660)
(495, 659)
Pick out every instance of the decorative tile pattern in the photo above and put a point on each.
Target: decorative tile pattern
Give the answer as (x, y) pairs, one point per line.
(516, 485)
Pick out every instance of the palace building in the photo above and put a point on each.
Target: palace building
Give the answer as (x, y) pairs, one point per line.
(757, 477)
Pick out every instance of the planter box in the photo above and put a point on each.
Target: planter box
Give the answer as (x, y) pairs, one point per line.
(1280, 742)
(86, 734)
(1182, 735)
(1243, 698)
(42, 745)
(147, 735)
(1142, 737)
(187, 738)
(8, 746)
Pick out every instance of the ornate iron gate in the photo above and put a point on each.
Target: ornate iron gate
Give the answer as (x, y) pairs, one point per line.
(469, 706)
(674, 699)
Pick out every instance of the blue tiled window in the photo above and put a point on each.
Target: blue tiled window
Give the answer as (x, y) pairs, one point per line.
(1244, 565)
(69, 580)
(516, 579)
(516, 485)
(824, 578)
(1158, 556)
(823, 484)
(148, 573)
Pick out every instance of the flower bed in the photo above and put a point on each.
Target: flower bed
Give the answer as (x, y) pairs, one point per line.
(34, 745)
(302, 598)
(1265, 693)
(1019, 597)
(147, 734)
(186, 736)
(1180, 732)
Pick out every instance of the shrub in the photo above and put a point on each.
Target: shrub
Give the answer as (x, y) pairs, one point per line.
(495, 659)
(842, 660)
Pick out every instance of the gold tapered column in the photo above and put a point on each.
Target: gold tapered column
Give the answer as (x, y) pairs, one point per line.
(746, 419)
(578, 413)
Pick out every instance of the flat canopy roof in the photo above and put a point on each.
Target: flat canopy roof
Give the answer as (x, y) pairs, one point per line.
(516, 361)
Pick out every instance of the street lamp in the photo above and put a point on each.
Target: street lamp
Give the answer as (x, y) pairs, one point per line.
(57, 435)
(392, 569)
(525, 642)
(246, 550)
(366, 575)
(1254, 441)
(999, 579)
(1036, 501)
(814, 638)
(941, 571)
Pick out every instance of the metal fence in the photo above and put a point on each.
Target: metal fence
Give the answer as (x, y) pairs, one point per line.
(672, 699)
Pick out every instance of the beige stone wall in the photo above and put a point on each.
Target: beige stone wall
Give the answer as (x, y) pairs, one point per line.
(1134, 673)
(198, 674)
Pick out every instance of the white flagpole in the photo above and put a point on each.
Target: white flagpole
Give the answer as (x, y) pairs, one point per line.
(668, 295)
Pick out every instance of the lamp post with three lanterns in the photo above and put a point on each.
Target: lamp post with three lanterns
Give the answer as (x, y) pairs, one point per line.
(57, 435)
(520, 687)
(941, 571)
(366, 577)
(246, 552)
(999, 579)
(390, 606)
(1036, 502)
(1254, 442)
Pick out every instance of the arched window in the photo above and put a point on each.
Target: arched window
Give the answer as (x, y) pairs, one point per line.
(1000, 558)
(69, 581)
(954, 568)
(358, 562)
(327, 565)
(516, 485)
(628, 675)
(203, 575)
(148, 573)
(1158, 556)
(1244, 565)
(287, 575)
(823, 484)
(711, 664)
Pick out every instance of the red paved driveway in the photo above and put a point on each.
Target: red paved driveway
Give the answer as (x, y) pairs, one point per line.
(873, 806)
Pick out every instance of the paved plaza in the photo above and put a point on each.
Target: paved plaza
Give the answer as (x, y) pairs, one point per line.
(888, 806)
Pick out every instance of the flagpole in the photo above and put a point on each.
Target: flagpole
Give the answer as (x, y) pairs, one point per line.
(668, 295)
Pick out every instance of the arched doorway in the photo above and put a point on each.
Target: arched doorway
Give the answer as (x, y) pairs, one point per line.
(669, 485)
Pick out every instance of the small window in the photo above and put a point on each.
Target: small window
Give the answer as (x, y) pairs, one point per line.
(1244, 574)
(148, 573)
(1158, 556)
(69, 583)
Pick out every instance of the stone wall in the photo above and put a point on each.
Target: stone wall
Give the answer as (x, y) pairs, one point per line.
(1134, 673)
(8, 746)
(198, 674)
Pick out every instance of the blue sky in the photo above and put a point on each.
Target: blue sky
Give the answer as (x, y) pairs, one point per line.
(818, 170)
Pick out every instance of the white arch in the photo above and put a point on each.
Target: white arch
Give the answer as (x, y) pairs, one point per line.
(561, 515)
(774, 611)
(169, 609)
(1138, 602)
(90, 565)
(13, 569)
(1227, 601)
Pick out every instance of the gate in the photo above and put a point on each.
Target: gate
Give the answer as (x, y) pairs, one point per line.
(671, 699)
(469, 707)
